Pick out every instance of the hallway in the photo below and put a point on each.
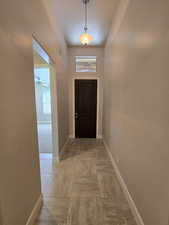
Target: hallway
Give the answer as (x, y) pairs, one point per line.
(103, 67)
(82, 189)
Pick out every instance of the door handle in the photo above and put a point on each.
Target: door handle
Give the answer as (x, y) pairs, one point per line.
(76, 115)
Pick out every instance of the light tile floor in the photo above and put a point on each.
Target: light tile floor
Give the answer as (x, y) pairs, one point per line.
(45, 137)
(82, 189)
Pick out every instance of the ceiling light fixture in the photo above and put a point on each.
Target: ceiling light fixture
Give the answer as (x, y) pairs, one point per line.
(85, 38)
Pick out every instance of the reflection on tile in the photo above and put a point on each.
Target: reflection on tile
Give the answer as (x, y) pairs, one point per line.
(55, 211)
(56, 187)
(46, 166)
(46, 156)
(82, 189)
(58, 184)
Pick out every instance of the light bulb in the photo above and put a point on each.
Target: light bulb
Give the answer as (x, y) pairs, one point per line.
(86, 38)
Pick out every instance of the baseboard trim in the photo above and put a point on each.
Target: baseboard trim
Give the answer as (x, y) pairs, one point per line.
(66, 142)
(35, 212)
(99, 137)
(127, 194)
(71, 136)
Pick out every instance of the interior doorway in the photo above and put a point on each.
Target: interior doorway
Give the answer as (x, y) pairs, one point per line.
(46, 103)
(85, 108)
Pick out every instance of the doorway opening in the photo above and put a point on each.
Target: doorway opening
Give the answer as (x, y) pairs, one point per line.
(86, 108)
(46, 103)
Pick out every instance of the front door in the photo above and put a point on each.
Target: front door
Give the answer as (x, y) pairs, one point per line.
(85, 108)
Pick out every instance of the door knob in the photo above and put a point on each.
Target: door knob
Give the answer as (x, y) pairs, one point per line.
(76, 115)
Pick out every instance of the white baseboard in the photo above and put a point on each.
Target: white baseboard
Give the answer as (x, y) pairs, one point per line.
(66, 142)
(130, 201)
(99, 137)
(35, 212)
(71, 136)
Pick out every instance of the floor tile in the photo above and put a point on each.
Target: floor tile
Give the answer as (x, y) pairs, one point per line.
(110, 188)
(84, 211)
(86, 155)
(82, 189)
(45, 137)
(46, 156)
(84, 167)
(102, 154)
(58, 184)
(85, 186)
(38, 222)
(105, 167)
(113, 214)
(47, 166)
(55, 211)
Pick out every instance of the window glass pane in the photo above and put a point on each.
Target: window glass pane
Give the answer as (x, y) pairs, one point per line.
(46, 101)
(86, 64)
(43, 97)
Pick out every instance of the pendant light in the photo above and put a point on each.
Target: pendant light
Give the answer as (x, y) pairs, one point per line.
(85, 38)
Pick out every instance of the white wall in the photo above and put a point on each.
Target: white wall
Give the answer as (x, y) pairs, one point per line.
(82, 51)
(136, 103)
(19, 160)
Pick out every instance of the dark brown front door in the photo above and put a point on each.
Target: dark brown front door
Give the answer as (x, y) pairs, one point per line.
(85, 108)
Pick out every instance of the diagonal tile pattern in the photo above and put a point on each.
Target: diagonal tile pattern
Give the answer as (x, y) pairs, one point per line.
(82, 189)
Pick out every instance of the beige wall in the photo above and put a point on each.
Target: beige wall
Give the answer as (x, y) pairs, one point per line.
(82, 51)
(1, 222)
(136, 103)
(19, 161)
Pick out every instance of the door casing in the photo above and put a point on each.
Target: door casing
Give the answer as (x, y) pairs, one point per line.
(53, 92)
(98, 102)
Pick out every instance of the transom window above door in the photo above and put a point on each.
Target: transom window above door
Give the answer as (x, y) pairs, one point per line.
(86, 64)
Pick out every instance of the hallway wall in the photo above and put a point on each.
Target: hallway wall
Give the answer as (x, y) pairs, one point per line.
(19, 160)
(85, 51)
(136, 103)
(1, 222)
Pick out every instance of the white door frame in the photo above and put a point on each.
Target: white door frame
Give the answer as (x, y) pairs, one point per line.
(53, 92)
(54, 110)
(98, 100)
